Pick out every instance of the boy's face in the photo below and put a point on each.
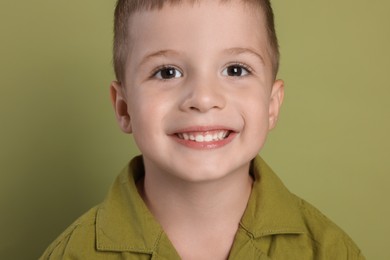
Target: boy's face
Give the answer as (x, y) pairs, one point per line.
(200, 72)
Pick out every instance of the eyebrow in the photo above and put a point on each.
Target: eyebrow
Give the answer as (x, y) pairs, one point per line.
(232, 51)
(161, 53)
(237, 51)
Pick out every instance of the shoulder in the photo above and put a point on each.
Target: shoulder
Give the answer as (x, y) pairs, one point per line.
(79, 235)
(287, 227)
(327, 239)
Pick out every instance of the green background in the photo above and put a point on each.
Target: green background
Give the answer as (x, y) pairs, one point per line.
(60, 147)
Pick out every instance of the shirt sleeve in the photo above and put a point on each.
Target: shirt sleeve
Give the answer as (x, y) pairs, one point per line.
(57, 249)
(76, 242)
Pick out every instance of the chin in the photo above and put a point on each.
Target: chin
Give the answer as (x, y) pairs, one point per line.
(205, 173)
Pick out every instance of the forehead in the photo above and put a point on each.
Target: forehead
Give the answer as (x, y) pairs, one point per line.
(229, 23)
(149, 5)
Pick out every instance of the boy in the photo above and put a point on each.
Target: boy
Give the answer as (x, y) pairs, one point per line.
(196, 87)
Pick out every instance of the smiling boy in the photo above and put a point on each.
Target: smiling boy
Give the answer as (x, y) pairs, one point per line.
(196, 88)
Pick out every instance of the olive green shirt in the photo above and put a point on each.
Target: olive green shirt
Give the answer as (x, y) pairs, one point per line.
(276, 225)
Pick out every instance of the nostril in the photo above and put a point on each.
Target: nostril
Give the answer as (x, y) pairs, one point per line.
(203, 99)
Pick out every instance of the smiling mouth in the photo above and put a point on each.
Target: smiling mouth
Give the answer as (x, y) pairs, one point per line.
(208, 136)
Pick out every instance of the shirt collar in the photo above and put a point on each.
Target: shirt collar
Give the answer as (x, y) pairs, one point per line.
(271, 208)
(124, 223)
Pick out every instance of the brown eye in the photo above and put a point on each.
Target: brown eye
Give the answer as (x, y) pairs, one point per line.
(235, 71)
(168, 73)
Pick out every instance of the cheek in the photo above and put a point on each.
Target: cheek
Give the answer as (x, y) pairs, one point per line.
(147, 112)
(257, 118)
(256, 114)
(254, 101)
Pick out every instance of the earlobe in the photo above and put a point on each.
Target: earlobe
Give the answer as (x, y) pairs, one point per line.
(119, 102)
(276, 100)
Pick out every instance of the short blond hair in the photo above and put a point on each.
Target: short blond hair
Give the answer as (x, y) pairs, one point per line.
(125, 8)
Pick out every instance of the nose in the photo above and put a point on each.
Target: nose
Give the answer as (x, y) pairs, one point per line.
(203, 94)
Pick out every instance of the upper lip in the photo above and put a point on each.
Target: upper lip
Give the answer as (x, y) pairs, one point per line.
(192, 129)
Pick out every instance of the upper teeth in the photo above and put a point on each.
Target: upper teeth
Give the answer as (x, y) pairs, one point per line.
(205, 136)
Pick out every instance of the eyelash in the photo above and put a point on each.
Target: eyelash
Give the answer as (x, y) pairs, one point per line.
(166, 66)
(161, 68)
(242, 65)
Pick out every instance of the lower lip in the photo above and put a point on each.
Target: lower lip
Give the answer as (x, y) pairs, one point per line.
(205, 145)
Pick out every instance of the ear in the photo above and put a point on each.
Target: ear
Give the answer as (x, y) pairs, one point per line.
(276, 100)
(120, 105)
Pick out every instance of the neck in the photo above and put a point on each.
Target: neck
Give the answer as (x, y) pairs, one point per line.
(199, 218)
(179, 204)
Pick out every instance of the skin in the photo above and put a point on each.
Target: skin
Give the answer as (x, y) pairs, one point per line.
(198, 69)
